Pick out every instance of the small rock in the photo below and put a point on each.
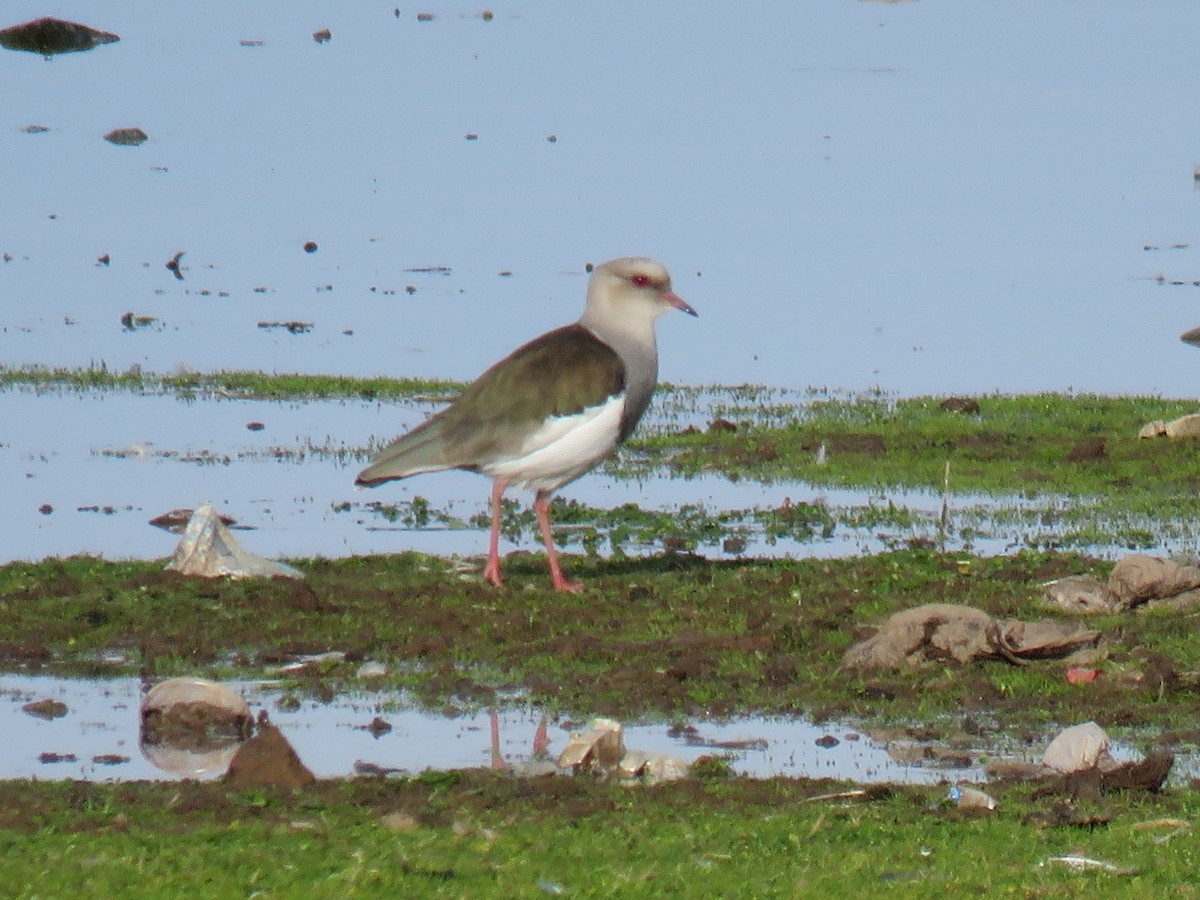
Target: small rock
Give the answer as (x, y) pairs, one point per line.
(310, 246)
(323, 36)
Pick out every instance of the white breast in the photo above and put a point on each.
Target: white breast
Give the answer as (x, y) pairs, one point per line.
(564, 448)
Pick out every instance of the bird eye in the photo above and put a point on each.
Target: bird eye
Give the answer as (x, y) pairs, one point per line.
(640, 280)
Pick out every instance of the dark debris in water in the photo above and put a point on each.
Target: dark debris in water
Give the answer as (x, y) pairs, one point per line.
(175, 266)
(45, 709)
(176, 520)
(50, 36)
(292, 327)
(127, 137)
(132, 322)
(49, 758)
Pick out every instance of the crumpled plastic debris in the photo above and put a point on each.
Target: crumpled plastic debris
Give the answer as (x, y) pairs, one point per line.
(600, 748)
(970, 798)
(601, 744)
(1078, 763)
(1079, 748)
(1184, 426)
(1135, 581)
(209, 549)
(1088, 864)
(937, 632)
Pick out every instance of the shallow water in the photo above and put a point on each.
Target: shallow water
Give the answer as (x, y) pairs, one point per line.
(932, 197)
(333, 740)
(929, 197)
(331, 737)
(85, 472)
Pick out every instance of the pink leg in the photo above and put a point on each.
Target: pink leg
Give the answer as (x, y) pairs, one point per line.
(491, 572)
(541, 738)
(498, 763)
(541, 506)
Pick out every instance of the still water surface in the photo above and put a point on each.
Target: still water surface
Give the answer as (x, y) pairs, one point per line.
(931, 197)
(102, 721)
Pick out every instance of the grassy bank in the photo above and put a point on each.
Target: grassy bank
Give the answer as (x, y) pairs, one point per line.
(489, 835)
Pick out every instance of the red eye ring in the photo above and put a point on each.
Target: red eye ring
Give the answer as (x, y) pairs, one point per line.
(640, 280)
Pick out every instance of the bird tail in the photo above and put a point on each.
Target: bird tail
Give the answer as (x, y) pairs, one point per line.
(421, 450)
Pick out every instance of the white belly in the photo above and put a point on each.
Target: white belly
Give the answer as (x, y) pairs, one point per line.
(563, 449)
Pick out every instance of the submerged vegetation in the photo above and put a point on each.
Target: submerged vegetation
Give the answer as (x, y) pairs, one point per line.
(247, 385)
(1038, 471)
(1072, 445)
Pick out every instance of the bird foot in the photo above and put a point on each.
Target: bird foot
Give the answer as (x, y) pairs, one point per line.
(491, 574)
(565, 584)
